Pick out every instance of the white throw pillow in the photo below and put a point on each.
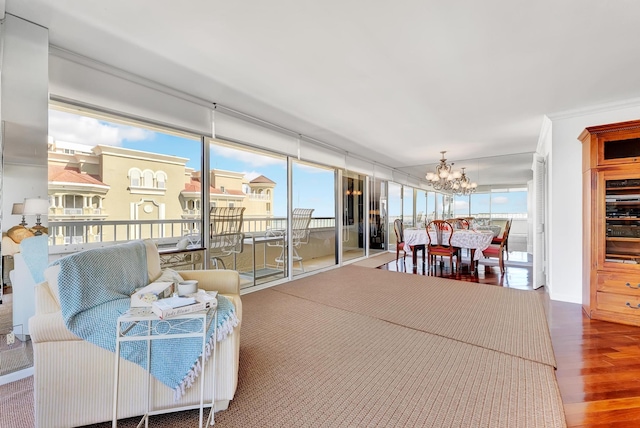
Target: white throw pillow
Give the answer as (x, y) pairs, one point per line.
(153, 260)
(51, 276)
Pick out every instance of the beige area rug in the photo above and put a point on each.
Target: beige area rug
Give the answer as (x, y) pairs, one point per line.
(16, 404)
(306, 364)
(17, 358)
(303, 364)
(377, 260)
(501, 319)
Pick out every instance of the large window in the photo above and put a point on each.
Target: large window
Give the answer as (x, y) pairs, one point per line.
(480, 208)
(509, 203)
(314, 239)
(461, 206)
(240, 178)
(421, 208)
(113, 180)
(407, 206)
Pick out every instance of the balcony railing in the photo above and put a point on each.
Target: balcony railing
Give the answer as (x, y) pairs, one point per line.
(77, 235)
(76, 211)
(259, 196)
(73, 211)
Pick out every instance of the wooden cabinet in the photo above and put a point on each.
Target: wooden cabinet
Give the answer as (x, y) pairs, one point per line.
(611, 222)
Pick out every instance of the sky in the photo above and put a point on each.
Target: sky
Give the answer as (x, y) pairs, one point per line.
(313, 187)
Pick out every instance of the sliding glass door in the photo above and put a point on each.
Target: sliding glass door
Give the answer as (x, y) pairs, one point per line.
(353, 215)
(251, 184)
(377, 215)
(313, 217)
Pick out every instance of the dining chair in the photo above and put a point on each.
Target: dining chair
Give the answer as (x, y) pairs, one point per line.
(460, 223)
(499, 250)
(498, 239)
(226, 237)
(402, 246)
(440, 233)
(398, 229)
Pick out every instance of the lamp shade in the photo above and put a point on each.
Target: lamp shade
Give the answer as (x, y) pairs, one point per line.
(17, 209)
(35, 206)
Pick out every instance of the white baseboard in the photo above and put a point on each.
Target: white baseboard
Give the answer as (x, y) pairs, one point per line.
(12, 377)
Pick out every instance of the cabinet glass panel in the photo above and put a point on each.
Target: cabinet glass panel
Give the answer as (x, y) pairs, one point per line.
(622, 203)
(620, 149)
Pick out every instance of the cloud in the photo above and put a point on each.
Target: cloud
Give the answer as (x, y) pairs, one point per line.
(458, 204)
(499, 200)
(253, 159)
(251, 175)
(92, 132)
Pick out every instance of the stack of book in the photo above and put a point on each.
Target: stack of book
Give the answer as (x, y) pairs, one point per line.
(174, 306)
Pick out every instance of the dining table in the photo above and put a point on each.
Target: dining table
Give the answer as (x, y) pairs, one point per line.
(470, 239)
(495, 229)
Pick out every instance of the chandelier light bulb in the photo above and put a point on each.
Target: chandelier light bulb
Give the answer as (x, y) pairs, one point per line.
(446, 179)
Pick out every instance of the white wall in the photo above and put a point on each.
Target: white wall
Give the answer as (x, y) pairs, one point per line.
(565, 196)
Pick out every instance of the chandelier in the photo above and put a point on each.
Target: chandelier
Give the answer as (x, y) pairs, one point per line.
(448, 180)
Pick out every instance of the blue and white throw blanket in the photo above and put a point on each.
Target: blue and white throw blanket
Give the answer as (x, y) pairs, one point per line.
(95, 288)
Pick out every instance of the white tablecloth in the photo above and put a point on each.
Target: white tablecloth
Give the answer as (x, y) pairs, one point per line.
(495, 229)
(472, 239)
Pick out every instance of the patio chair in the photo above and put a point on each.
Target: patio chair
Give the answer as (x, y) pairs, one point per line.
(190, 241)
(300, 220)
(226, 233)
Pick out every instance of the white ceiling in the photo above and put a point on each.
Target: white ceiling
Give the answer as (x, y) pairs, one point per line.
(396, 82)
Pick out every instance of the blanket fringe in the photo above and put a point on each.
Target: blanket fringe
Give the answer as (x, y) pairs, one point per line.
(223, 330)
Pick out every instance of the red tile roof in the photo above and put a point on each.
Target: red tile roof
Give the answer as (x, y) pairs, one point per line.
(68, 174)
(262, 179)
(194, 186)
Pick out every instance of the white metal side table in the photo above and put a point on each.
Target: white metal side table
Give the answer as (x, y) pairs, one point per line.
(179, 327)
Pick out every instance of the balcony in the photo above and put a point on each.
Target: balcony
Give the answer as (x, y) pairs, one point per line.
(70, 236)
(259, 196)
(58, 212)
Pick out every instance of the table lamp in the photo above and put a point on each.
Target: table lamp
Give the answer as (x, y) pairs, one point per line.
(37, 207)
(18, 209)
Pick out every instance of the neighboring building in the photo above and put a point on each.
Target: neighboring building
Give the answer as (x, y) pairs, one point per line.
(129, 191)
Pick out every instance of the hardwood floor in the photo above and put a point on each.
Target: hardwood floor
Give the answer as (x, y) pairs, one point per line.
(598, 362)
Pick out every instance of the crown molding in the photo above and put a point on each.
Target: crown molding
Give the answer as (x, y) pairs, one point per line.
(595, 109)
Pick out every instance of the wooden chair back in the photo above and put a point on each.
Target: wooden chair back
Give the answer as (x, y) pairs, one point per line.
(398, 229)
(439, 233)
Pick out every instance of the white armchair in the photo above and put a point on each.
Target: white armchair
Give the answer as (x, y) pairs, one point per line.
(73, 378)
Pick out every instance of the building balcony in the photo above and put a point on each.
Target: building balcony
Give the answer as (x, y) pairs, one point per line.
(259, 196)
(61, 212)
